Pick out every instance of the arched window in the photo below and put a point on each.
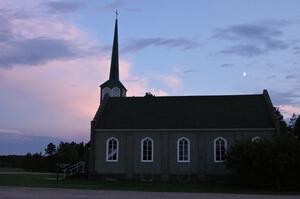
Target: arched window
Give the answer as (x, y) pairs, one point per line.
(106, 92)
(220, 147)
(112, 150)
(147, 149)
(116, 92)
(183, 150)
(256, 139)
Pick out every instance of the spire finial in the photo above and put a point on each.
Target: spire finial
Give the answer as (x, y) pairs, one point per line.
(114, 67)
(117, 13)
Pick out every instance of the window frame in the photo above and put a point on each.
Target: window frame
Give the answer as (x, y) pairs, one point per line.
(107, 149)
(215, 149)
(115, 89)
(188, 150)
(105, 91)
(256, 139)
(142, 149)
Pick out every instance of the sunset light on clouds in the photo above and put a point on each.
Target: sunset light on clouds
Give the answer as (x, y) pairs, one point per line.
(55, 54)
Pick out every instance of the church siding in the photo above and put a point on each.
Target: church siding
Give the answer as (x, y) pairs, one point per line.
(165, 150)
(142, 168)
(181, 168)
(165, 163)
(129, 155)
(101, 165)
(202, 154)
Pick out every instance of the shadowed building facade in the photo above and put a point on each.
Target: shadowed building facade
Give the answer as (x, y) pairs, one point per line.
(172, 137)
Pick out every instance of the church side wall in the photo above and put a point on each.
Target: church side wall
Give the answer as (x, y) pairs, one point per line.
(165, 165)
(101, 165)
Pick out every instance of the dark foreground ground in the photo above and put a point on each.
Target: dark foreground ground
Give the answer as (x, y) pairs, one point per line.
(29, 179)
(58, 193)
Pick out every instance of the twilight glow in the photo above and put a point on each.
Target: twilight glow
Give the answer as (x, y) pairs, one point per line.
(55, 54)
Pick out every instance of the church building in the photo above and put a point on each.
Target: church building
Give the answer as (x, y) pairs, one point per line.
(177, 138)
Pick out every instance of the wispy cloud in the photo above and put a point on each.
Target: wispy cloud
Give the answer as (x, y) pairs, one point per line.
(288, 101)
(289, 110)
(20, 144)
(291, 77)
(113, 5)
(35, 51)
(172, 81)
(31, 41)
(291, 97)
(62, 89)
(59, 7)
(118, 5)
(179, 43)
(186, 71)
(227, 65)
(9, 131)
(251, 39)
(296, 50)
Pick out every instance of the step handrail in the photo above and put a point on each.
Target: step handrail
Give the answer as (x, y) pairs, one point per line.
(77, 168)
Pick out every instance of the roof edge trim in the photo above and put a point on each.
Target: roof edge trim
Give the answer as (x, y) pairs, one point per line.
(219, 129)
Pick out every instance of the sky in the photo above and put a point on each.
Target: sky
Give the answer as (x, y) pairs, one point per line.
(55, 54)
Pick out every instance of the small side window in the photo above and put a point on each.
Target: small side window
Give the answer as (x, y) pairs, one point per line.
(106, 92)
(112, 150)
(183, 150)
(116, 92)
(147, 150)
(220, 147)
(256, 139)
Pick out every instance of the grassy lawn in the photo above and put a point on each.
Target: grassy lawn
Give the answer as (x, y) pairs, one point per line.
(43, 180)
(35, 180)
(8, 169)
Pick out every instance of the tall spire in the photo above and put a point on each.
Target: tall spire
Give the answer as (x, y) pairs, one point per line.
(113, 87)
(114, 66)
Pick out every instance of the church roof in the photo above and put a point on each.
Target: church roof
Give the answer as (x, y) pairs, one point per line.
(185, 112)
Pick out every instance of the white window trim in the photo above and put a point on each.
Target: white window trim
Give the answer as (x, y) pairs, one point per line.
(107, 145)
(256, 139)
(104, 90)
(116, 89)
(188, 142)
(215, 146)
(142, 152)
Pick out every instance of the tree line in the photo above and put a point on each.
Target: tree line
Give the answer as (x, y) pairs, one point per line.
(64, 154)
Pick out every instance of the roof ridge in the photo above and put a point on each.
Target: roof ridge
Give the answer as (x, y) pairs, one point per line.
(186, 96)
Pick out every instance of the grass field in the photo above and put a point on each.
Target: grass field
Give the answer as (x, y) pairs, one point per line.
(7, 169)
(49, 180)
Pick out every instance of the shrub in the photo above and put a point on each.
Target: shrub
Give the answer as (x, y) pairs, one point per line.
(273, 163)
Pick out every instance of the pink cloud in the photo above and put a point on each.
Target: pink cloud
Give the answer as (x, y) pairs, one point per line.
(58, 97)
(289, 110)
(172, 81)
(68, 91)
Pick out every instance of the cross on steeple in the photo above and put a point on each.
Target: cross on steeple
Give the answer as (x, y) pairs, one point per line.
(117, 13)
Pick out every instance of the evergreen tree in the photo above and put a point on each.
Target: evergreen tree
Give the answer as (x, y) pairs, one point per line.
(51, 149)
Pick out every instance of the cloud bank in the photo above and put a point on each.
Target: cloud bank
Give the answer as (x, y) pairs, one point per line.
(140, 44)
(250, 40)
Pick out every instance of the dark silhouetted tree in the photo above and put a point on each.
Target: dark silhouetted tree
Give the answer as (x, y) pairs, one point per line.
(67, 153)
(283, 125)
(296, 128)
(51, 149)
(271, 163)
